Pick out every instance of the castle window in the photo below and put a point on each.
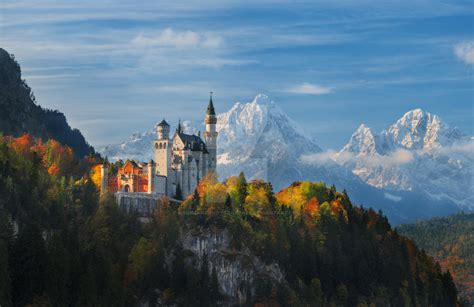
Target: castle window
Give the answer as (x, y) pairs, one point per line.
(156, 145)
(164, 145)
(161, 146)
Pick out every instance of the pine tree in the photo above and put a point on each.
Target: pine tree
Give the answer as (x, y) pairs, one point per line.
(204, 277)
(241, 190)
(179, 193)
(228, 203)
(5, 282)
(316, 295)
(214, 286)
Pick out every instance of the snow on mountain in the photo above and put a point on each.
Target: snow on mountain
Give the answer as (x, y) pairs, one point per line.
(139, 145)
(417, 153)
(259, 139)
(362, 142)
(257, 135)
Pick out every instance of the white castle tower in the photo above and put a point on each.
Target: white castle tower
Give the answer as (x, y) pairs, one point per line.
(210, 135)
(163, 149)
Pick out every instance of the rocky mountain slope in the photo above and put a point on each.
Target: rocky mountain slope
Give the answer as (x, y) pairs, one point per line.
(418, 153)
(20, 114)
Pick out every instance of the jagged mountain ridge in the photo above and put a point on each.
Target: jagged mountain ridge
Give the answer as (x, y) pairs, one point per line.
(419, 152)
(263, 142)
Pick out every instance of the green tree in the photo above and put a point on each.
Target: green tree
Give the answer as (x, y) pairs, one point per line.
(5, 282)
(316, 295)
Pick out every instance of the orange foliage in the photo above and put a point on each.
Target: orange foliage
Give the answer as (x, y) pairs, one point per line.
(56, 158)
(21, 144)
(53, 170)
(311, 209)
(205, 183)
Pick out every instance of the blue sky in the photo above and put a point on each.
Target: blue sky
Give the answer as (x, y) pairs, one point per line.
(116, 67)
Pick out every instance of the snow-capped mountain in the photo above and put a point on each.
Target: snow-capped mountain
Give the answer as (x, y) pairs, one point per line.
(138, 146)
(257, 136)
(417, 153)
(259, 139)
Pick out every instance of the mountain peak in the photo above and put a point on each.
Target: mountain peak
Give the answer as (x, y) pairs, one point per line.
(418, 129)
(362, 142)
(262, 99)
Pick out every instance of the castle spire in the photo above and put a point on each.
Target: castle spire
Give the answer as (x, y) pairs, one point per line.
(180, 128)
(210, 107)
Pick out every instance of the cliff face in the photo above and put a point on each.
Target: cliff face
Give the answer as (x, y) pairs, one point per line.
(238, 272)
(19, 113)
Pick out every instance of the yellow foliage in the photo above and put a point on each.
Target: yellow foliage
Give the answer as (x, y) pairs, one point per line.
(295, 196)
(256, 203)
(215, 198)
(96, 176)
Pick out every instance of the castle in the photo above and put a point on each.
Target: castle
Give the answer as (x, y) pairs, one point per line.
(179, 163)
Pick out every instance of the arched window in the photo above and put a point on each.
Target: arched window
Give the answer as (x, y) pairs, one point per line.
(127, 188)
(161, 146)
(164, 145)
(156, 145)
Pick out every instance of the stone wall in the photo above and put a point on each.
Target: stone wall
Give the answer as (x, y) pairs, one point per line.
(142, 203)
(237, 271)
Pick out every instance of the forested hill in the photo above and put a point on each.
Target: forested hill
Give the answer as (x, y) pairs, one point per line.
(230, 243)
(450, 240)
(20, 114)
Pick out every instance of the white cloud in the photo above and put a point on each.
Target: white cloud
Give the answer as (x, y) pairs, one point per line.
(398, 157)
(392, 197)
(179, 39)
(310, 89)
(320, 157)
(465, 51)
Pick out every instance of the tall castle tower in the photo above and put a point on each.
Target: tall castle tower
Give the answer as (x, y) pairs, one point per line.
(163, 149)
(211, 135)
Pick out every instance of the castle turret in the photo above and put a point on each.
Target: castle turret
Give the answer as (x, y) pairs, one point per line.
(151, 176)
(211, 135)
(163, 130)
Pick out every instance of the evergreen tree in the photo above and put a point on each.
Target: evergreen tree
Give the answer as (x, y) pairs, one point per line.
(241, 190)
(316, 295)
(5, 281)
(214, 286)
(179, 194)
(205, 282)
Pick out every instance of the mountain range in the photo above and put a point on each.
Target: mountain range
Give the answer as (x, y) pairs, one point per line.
(417, 168)
(418, 152)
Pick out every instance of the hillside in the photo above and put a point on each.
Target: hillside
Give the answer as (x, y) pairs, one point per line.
(232, 242)
(21, 114)
(450, 241)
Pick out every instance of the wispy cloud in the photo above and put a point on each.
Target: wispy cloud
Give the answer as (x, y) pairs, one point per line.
(398, 157)
(465, 51)
(310, 89)
(178, 39)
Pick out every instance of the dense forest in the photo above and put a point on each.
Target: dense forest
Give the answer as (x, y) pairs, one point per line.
(450, 240)
(20, 114)
(61, 243)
